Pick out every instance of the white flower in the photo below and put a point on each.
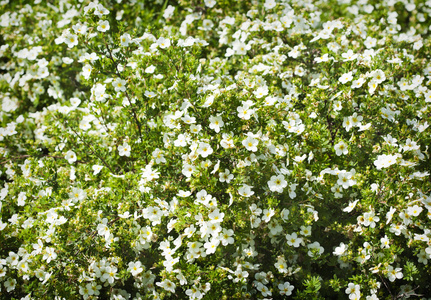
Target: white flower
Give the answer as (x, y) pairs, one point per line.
(384, 242)
(250, 143)
(385, 161)
(394, 273)
(245, 190)
(358, 83)
(345, 179)
(370, 219)
(414, 210)
(216, 122)
(410, 145)
(188, 170)
(96, 169)
(204, 150)
(100, 10)
(225, 176)
(86, 71)
(181, 140)
(163, 43)
(281, 267)
(194, 293)
(293, 240)
(340, 250)
(263, 289)
(207, 24)
(103, 26)
(349, 55)
(346, 77)
(285, 288)
(49, 254)
(378, 76)
(269, 4)
(80, 28)
(356, 120)
(323, 58)
(341, 148)
(267, 214)
(169, 11)
(21, 198)
(351, 206)
(244, 112)
(372, 86)
(261, 91)
(124, 150)
(370, 42)
(210, 3)
(125, 39)
(150, 69)
(71, 40)
(347, 123)
(135, 268)
(10, 284)
(315, 249)
(211, 246)
(119, 85)
(277, 183)
(353, 290)
(70, 156)
(305, 230)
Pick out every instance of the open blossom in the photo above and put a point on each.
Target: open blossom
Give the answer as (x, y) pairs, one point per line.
(70, 156)
(245, 190)
(216, 122)
(340, 250)
(125, 39)
(71, 40)
(261, 91)
(124, 150)
(245, 111)
(314, 249)
(225, 176)
(96, 169)
(323, 58)
(358, 83)
(351, 206)
(250, 143)
(341, 148)
(135, 268)
(204, 150)
(167, 285)
(385, 161)
(394, 273)
(119, 85)
(370, 219)
(293, 240)
(277, 183)
(286, 288)
(353, 290)
(86, 71)
(100, 10)
(349, 55)
(163, 43)
(103, 26)
(346, 77)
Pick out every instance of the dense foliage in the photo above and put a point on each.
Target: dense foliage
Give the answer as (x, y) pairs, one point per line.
(215, 149)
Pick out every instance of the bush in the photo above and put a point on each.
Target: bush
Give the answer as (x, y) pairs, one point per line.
(215, 149)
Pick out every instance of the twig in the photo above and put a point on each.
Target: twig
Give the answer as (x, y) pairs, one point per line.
(387, 287)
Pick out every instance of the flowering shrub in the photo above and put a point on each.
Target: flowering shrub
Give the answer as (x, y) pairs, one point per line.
(215, 149)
